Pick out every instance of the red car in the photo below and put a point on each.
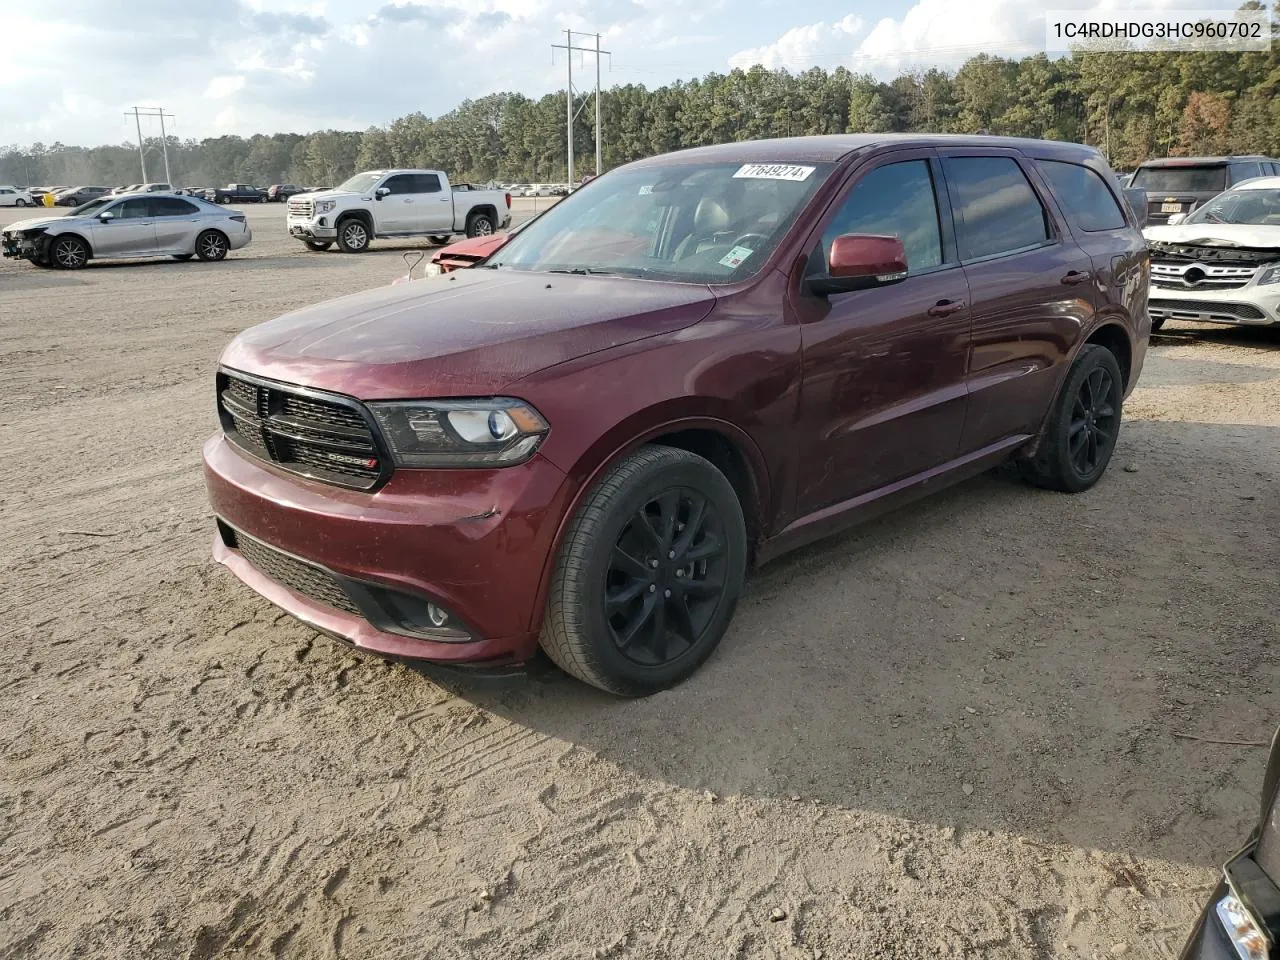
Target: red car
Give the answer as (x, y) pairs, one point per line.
(466, 253)
(706, 359)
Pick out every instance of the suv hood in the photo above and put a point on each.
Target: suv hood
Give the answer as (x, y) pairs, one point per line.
(470, 333)
(1217, 235)
(325, 195)
(35, 222)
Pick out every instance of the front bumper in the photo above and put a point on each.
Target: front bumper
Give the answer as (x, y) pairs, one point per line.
(22, 248)
(472, 541)
(1247, 306)
(315, 228)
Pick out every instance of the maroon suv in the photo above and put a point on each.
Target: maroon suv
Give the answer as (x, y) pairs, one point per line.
(688, 366)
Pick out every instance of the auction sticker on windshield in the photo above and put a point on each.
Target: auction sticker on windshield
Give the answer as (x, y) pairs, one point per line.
(736, 256)
(773, 171)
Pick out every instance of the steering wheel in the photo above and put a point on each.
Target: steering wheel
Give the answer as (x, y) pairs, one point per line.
(741, 241)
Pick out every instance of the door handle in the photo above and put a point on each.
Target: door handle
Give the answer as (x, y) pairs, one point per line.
(944, 308)
(1077, 276)
(446, 200)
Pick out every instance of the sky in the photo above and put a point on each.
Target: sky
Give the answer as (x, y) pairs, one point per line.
(266, 66)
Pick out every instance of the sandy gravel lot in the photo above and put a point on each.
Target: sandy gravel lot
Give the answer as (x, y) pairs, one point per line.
(949, 734)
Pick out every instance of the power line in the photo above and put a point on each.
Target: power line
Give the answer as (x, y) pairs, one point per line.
(569, 114)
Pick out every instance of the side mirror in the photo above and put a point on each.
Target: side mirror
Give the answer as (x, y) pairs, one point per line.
(381, 192)
(1176, 219)
(859, 261)
(106, 217)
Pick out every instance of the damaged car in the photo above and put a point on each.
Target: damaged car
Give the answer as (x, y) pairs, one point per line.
(1220, 264)
(136, 225)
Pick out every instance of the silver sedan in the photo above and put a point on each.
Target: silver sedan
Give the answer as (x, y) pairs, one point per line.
(135, 225)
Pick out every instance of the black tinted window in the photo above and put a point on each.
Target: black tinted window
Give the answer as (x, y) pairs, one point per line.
(1085, 199)
(996, 210)
(426, 183)
(400, 183)
(172, 207)
(1182, 179)
(894, 200)
(1245, 171)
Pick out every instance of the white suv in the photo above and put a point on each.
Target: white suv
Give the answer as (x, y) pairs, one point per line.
(1220, 264)
(16, 197)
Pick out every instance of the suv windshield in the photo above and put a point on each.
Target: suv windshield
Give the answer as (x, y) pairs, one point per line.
(696, 223)
(1181, 179)
(1257, 207)
(360, 182)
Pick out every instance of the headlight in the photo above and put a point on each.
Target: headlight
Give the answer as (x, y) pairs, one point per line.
(460, 433)
(432, 270)
(324, 206)
(1269, 274)
(1242, 930)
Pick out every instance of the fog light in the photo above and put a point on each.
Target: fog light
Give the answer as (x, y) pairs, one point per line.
(436, 615)
(1242, 930)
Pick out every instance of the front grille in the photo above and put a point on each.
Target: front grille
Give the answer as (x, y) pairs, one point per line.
(311, 581)
(1187, 253)
(1181, 275)
(1211, 311)
(324, 437)
(300, 208)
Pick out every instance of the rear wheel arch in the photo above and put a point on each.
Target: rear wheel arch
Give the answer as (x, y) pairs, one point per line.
(1115, 338)
(730, 449)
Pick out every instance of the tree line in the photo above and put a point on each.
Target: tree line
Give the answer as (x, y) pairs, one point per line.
(1132, 106)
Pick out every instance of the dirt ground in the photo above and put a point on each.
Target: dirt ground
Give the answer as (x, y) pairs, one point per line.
(953, 733)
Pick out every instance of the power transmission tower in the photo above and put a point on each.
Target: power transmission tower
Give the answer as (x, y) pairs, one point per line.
(138, 113)
(569, 113)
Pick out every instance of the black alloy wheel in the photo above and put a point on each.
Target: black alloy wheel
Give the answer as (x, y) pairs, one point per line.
(1095, 418)
(665, 577)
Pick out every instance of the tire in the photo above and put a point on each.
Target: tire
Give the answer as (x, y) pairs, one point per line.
(68, 252)
(224, 200)
(318, 245)
(1156, 324)
(1085, 420)
(182, 256)
(480, 225)
(439, 239)
(353, 235)
(212, 246)
(629, 651)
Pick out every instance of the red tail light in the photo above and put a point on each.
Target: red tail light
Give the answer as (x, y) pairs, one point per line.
(508, 201)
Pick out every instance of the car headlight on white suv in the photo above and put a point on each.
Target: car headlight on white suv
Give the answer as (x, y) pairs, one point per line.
(1269, 274)
(324, 206)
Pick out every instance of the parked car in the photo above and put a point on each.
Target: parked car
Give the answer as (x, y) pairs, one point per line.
(707, 359)
(1220, 264)
(131, 188)
(136, 225)
(235, 193)
(1180, 184)
(280, 192)
(1241, 921)
(156, 188)
(11, 196)
(466, 253)
(75, 196)
(394, 203)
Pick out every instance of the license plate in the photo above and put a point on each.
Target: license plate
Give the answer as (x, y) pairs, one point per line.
(1170, 208)
(296, 231)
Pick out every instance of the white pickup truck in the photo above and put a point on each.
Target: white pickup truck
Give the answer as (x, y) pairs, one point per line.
(395, 203)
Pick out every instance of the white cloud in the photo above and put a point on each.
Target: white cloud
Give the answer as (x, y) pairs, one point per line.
(817, 44)
(225, 86)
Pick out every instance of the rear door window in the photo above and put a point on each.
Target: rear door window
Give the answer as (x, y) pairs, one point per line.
(426, 183)
(996, 210)
(1182, 179)
(1083, 196)
(172, 207)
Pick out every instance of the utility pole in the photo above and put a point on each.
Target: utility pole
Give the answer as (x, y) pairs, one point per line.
(142, 156)
(569, 112)
(138, 113)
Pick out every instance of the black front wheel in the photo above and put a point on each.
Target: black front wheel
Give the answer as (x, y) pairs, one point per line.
(318, 246)
(68, 253)
(1083, 427)
(440, 239)
(353, 235)
(649, 574)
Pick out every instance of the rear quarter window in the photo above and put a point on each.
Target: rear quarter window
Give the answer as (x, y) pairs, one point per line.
(1083, 196)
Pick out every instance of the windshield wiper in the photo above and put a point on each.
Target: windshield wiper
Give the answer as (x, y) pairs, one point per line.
(584, 271)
